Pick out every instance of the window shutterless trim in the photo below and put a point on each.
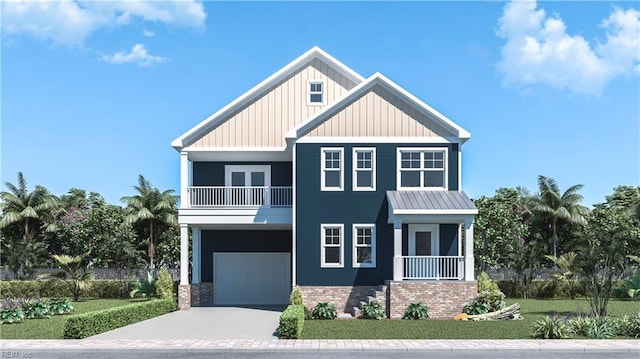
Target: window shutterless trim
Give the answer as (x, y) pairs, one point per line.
(323, 169)
(354, 239)
(422, 169)
(322, 92)
(323, 245)
(356, 169)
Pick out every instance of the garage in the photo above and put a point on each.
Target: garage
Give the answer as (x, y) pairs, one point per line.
(251, 278)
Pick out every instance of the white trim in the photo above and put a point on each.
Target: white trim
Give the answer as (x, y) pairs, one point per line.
(378, 79)
(460, 167)
(420, 170)
(323, 169)
(221, 115)
(435, 237)
(323, 92)
(293, 221)
(380, 139)
(247, 169)
(195, 254)
(435, 211)
(459, 240)
(354, 168)
(184, 254)
(354, 245)
(184, 179)
(323, 245)
(234, 149)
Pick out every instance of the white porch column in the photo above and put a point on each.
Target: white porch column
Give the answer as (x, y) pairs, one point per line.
(184, 180)
(397, 251)
(195, 271)
(184, 254)
(469, 264)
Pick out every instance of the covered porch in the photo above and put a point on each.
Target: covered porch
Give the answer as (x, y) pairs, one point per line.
(433, 235)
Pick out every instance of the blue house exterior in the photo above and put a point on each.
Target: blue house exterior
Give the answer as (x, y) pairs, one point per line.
(347, 187)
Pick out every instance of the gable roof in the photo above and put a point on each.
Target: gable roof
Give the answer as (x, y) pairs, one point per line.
(377, 79)
(222, 114)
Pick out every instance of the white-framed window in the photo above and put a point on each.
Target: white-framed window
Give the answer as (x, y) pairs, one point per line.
(364, 246)
(332, 245)
(315, 92)
(364, 169)
(332, 174)
(422, 168)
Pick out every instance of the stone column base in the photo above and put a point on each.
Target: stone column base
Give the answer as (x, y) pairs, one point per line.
(184, 297)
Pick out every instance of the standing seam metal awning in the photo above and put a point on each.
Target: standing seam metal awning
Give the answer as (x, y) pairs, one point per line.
(430, 202)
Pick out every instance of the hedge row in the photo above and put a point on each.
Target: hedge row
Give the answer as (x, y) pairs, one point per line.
(55, 288)
(87, 324)
(291, 322)
(550, 288)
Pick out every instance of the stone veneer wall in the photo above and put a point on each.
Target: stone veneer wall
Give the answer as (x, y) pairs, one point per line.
(184, 297)
(202, 294)
(343, 297)
(444, 298)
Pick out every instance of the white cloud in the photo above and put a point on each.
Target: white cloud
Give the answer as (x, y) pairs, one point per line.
(539, 51)
(138, 55)
(70, 22)
(148, 33)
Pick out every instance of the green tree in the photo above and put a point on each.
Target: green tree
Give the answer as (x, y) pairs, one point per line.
(567, 264)
(558, 207)
(32, 212)
(152, 209)
(74, 273)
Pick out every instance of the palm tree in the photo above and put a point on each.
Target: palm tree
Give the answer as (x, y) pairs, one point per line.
(559, 207)
(32, 211)
(152, 208)
(79, 278)
(567, 264)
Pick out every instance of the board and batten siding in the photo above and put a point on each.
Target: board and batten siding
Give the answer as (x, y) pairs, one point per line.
(264, 121)
(379, 113)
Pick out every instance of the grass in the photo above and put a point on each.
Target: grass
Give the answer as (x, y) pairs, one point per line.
(53, 327)
(532, 310)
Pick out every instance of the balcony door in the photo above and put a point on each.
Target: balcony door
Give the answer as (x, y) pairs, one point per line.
(247, 185)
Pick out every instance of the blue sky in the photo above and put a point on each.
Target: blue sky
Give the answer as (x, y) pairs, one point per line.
(94, 92)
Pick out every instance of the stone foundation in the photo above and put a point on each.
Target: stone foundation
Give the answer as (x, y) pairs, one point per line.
(184, 297)
(202, 294)
(444, 298)
(343, 297)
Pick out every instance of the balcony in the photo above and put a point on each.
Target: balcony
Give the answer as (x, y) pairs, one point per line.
(246, 197)
(432, 267)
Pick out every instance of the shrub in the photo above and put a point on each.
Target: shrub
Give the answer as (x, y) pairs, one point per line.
(34, 308)
(145, 287)
(296, 297)
(630, 325)
(486, 302)
(84, 325)
(476, 307)
(324, 310)
(55, 289)
(485, 284)
(11, 311)
(59, 306)
(550, 328)
(632, 285)
(372, 310)
(164, 285)
(291, 322)
(416, 311)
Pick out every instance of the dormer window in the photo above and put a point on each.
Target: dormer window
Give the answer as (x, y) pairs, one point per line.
(316, 92)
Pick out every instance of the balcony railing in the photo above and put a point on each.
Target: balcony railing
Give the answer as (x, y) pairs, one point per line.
(223, 196)
(433, 267)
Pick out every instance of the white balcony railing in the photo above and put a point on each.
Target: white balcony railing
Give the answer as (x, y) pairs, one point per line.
(433, 267)
(223, 196)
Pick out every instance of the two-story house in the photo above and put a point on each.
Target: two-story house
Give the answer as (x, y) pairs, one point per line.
(348, 187)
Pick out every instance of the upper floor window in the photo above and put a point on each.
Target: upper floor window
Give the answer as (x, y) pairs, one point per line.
(422, 168)
(364, 169)
(332, 175)
(316, 93)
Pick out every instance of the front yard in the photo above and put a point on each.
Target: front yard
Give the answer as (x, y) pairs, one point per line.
(532, 310)
(52, 328)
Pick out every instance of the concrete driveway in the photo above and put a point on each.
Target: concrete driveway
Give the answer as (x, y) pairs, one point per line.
(204, 323)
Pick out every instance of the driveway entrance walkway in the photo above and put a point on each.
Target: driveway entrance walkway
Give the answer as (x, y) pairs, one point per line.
(204, 323)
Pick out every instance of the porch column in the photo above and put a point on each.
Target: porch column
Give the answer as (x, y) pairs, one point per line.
(184, 289)
(195, 270)
(469, 264)
(397, 251)
(184, 180)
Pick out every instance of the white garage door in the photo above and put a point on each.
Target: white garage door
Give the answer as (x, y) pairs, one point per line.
(251, 278)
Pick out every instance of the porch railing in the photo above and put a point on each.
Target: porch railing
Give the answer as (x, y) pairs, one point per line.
(223, 196)
(433, 267)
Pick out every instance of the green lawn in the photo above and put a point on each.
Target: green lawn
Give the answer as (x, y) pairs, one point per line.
(532, 309)
(53, 327)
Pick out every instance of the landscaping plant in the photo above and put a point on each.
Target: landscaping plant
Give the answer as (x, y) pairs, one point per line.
(632, 285)
(551, 328)
(416, 311)
(372, 310)
(324, 310)
(164, 285)
(11, 311)
(59, 306)
(80, 278)
(145, 287)
(296, 297)
(34, 308)
(291, 322)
